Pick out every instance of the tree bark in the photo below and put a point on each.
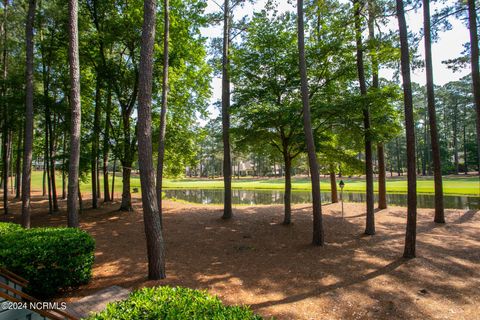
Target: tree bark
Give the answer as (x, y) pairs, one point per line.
(465, 162)
(370, 224)
(455, 139)
(94, 151)
(64, 150)
(6, 123)
(163, 113)
(112, 197)
(411, 232)
(474, 54)
(318, 235)
(126, 204)
(382, 189)
(287, 198)
(153, 228)
(18, 166)
(95, 141)
(76, 115)
(227, 162)
(28, 133)
(382, 186)
(333, 185)
(52, 152)
(106, 147)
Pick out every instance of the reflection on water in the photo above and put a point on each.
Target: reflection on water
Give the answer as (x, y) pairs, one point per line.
(252, 197)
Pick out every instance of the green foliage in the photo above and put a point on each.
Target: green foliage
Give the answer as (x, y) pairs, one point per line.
(7, 227)
(173, 303)
(49, 258)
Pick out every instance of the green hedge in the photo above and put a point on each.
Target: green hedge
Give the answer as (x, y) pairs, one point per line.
(49, 258)
(7, 227)
(175, 304)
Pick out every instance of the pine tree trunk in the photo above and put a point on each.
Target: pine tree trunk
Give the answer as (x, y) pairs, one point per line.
(318, 235)
(47, 159)
(227, 162)
(64, 150)
(112, 197)
(52, 153)
(455, 139)
(106, 147)
(382, 188)
(126, 204)
(6, 123)
(18, 166)
(411, 232)
(287, 198)
(76, 115)
(474, 54)
(333, 185)
(163, 113)
(465, 162)
(370, 224)
(153, 228)
(95, 141)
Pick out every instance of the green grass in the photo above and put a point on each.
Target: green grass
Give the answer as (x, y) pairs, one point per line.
(452, 185)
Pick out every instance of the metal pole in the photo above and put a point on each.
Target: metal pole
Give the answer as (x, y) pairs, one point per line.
(341, 198)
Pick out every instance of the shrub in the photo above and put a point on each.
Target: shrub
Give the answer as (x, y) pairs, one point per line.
(7, 227)
(175, 304)
(49, 258)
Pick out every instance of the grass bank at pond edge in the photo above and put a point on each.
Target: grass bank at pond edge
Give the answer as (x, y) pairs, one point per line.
(452, 185)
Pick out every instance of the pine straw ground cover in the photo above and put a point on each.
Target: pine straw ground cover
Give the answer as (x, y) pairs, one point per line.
(255, 260)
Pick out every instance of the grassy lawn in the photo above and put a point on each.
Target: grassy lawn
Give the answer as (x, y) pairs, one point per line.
(452, 185)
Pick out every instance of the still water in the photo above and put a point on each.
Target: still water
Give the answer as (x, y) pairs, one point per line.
(252, 197)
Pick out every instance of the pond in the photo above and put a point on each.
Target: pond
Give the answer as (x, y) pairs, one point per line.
(253, 197)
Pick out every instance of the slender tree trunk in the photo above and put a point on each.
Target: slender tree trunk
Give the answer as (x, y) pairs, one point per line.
(318, 235)
(64, 150)
(153, 227)
(455, 139)
(382, 189)
(112, 197)
(6, 123)
(76, 115)
(163, 113)
(287, 219)
(333, 185)
(397, 151)
(95, 139)
(474, 54)
(411, 232)
(370, 226)
(465, 162)
(28, 134)
(47, 169)
(382, 186)
(106, 147)
(18, 166)
(44, 178)
(80, 199)
(227, 162)
(99, 187)
(425, 147)
(52, 152)
(126, 204)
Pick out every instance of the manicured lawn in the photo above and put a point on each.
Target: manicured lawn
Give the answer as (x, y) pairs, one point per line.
(451, 185)
(460, 185)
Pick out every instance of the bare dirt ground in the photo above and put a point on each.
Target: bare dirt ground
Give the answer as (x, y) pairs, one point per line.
(254, 260)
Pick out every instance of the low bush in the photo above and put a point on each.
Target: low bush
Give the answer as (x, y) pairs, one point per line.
(49, 258)
(7, 227)
(173, 304)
